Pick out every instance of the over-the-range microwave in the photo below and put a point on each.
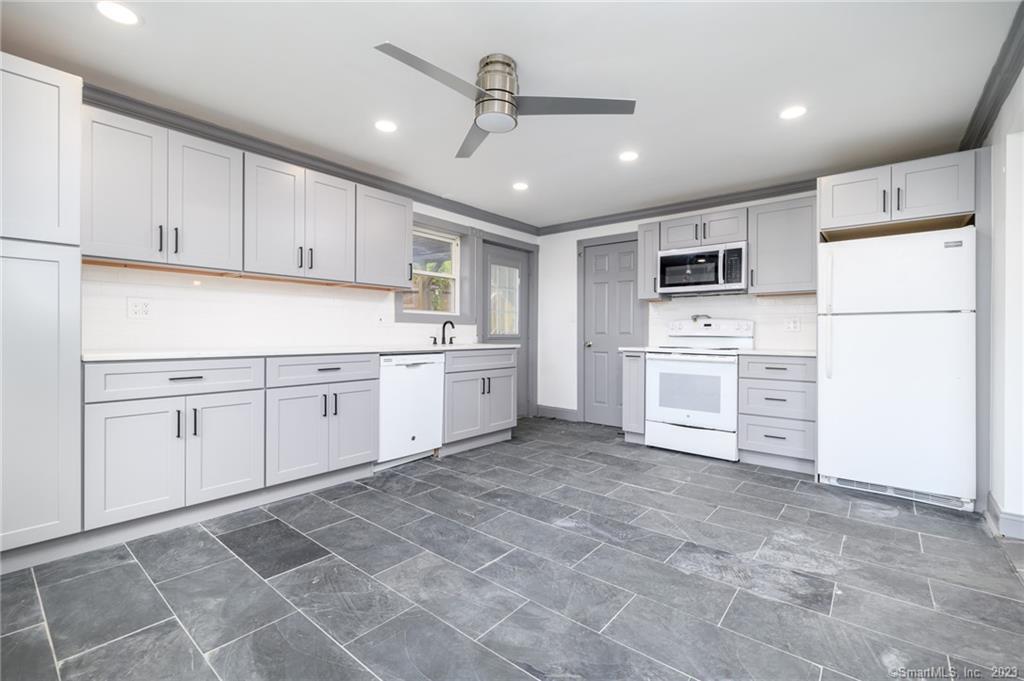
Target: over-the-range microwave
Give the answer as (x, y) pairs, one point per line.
(721, 268)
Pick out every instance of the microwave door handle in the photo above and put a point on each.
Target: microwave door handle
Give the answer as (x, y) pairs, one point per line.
(721, 266)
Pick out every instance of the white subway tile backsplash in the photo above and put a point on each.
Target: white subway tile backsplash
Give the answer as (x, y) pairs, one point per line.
(770, 314)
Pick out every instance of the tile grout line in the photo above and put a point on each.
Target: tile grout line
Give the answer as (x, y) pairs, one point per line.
(46, 624)
(211, 651)
(190, 572)
(617, 613)
(587, 555)
(491, 562)
(514, 611)
(931, 594)
(121, 638)
(832, 601)
(726, 611)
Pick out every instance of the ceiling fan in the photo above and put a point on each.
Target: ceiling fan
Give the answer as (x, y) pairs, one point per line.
(498, 102)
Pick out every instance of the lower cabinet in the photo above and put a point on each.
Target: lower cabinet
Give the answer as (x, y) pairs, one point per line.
(148, 456)
(633, 381)
(312, 429)
(479, 402)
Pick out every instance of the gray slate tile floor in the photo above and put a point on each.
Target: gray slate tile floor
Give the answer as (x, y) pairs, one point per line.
(561, 554)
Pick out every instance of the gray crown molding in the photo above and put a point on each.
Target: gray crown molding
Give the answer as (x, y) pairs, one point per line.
(114, 101)
(684, 206)
(1001, 79)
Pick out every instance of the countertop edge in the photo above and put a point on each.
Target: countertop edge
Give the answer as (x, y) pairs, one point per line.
(159, 356)
(763, 352)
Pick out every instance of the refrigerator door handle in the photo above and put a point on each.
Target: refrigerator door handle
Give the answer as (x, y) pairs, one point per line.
(831, 280)
(828, 347)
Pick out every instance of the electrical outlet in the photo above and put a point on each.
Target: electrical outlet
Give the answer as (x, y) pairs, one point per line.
(792, 325)
(139, 308)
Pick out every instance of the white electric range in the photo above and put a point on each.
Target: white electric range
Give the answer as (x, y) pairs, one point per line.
(691, 386)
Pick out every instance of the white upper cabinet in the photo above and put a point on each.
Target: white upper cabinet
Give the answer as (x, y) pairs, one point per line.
(204, 203)
(858, 198)
(723, 227)
(783, 247)
(941, 185)
(275, 216)
(124, 180)
(680, 232)
(41, 149)
(330, 235)
(383, 238)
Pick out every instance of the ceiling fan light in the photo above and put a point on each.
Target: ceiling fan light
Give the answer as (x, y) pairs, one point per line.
(496, 122)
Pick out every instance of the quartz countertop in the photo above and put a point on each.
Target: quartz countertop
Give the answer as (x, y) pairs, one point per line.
(773, 352)
(156, 355)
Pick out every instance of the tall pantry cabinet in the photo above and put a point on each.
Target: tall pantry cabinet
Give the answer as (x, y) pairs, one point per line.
(40, 304)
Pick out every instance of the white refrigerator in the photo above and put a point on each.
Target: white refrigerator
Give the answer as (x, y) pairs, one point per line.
(896, 364)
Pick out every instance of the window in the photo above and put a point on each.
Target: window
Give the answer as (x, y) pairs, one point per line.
(435, 274)
(504, 300)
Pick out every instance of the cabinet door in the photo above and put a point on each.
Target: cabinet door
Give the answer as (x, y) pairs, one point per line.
(124, 187)
(330, 227)
(204, 203)
(941, 185)
(223, 445)
(783, 247)
(648, 239)
(275, 210)
(858, 198)
(355, 423)
(680, 232)
(298, 432)
(134, 459)
(383, 238)
(464, 402)
(633, 368)
(40, 395)
(500, 407)
(723, 227)
(41, 110)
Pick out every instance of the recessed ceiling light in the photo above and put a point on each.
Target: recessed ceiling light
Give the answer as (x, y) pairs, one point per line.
(115, 11)
(520, 186)
(386, 126)
(628, 156)
(791, 112)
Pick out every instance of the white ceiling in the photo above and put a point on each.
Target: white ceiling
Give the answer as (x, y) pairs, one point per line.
(882, 81)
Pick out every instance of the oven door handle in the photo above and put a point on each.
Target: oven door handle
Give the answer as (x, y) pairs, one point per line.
(712, 359)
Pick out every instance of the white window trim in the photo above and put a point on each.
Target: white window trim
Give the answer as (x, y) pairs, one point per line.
(454, 276)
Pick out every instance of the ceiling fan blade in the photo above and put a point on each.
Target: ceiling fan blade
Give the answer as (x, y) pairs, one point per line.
(463, 87)
(474, 138)
(555, 106)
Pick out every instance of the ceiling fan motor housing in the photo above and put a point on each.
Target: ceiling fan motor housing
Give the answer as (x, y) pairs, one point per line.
(497, 75)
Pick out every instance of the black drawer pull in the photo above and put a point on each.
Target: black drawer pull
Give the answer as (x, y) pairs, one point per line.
(776, 368)
(775, 399)
(329, 369)
(776, 437)
(185, 378)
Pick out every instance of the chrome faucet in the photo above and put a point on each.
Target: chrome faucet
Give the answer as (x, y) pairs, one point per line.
(444, 330)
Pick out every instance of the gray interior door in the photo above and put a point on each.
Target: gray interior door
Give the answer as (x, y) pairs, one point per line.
(506, 313)
(612, 318)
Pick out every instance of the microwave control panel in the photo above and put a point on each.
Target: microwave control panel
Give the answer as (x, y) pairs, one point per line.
(732, 268)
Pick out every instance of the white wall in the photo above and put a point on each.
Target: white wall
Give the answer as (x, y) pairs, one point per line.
(227, 312)
(556, 364)
(1007, 389)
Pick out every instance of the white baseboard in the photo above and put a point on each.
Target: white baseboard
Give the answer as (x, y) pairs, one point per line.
(1007, 524)
(474, 442)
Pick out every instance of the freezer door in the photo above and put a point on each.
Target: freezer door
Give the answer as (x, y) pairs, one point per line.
(926, 271)
(896, 400)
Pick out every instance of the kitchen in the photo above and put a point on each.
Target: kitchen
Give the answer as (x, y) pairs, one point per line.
(274, 409)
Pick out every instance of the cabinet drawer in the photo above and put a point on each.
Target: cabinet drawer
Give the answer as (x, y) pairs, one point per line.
(305, 370)
(778, 368)
(479, 360)
(785, 399)
(785, 437)
(109, 381)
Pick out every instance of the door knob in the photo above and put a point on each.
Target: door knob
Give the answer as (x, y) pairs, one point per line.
(588, 344)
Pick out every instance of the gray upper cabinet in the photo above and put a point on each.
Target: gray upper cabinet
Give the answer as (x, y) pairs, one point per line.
(298, 432)
(41, 152)
(648, 243)
(354, 423)
(124, 187)
(223, 445)
(383, 238)
(680, 233)
(134, 459)
(330, 234)
(633, 380)
(782, 247)
(204, 203)
(941, 185)
(275, 216)
(858, 198)
(723, 227)
(41, 437)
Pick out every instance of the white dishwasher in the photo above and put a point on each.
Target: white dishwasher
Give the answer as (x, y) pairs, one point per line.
(411, 404)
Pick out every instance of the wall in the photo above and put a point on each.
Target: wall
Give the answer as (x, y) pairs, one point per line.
(191, 311)
(558, 311)
(1007, 301)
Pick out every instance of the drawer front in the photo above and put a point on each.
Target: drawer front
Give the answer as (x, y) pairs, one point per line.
(479, 360)
(778, 368)
(309, 369)
(784, 437)
(110, 381)
(784, 399)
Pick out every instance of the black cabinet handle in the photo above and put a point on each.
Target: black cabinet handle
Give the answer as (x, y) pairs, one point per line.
(325, 404)
(696, 233)
(488, 385)
(704, 234)
(899, 191)
(195, 421)
(335, 404)
(410, 271)
(185, 378)
(310, 265)
(175, 239)
(177, 421)
(775, 437)
(160, 244)
(483, 386)
(300, 257)
(751, 276)
(329, 369)
(776, 369)
(776, 399)
(884, 195)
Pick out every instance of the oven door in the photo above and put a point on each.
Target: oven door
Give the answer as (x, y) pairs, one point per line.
(689, 270)
(692, 390)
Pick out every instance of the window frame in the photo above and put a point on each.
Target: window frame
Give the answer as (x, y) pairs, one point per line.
(468, 255)
(456, 274)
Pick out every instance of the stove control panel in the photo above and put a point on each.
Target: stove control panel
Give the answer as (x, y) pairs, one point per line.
(704, 325)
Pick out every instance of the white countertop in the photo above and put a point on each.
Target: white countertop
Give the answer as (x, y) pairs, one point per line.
(774, 352)
(134, 355)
